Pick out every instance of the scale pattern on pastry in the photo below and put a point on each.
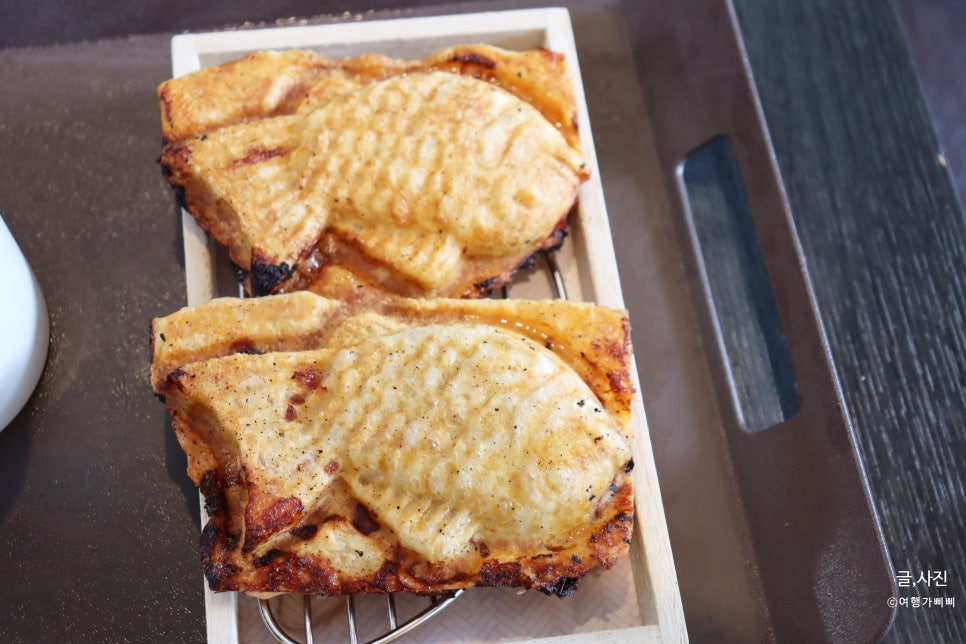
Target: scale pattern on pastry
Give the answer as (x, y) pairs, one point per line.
(432, 178)
(411, 445)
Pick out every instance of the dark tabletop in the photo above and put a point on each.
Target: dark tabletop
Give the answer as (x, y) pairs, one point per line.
(90, 472)
(884, 235)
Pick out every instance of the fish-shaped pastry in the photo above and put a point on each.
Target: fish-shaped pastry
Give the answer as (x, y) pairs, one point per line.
(432, 178)
(411, 445)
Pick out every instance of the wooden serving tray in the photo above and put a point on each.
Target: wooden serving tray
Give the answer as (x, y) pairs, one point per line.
(639, 599)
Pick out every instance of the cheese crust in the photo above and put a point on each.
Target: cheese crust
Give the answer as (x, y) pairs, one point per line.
(402, 446)
(419, 178)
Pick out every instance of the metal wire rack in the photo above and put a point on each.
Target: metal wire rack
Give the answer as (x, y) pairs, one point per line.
(437, 603)
(396, 629)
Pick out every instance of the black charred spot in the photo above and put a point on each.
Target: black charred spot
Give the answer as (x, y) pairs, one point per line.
(210, 483)
(614, 488)
(266, 558)
(231, 541)
(265, 277)
(216, 504)
(363, 521)
(561, 586)
(487, 285)
(246, 347)
(180, 196)
(305, 531)
(497, 574)
(215, 542)
(387, 576)
(576, 559)
(221, 576)
(629, 466)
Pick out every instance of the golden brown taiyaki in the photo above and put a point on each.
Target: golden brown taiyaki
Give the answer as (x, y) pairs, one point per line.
(418, 178)
(404, 445)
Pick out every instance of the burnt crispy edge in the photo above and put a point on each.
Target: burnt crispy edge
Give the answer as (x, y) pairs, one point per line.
(551, 243)
(265, 277)
(227, 567)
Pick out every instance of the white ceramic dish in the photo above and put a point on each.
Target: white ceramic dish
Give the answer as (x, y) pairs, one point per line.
(24, 329)
(638, 601)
